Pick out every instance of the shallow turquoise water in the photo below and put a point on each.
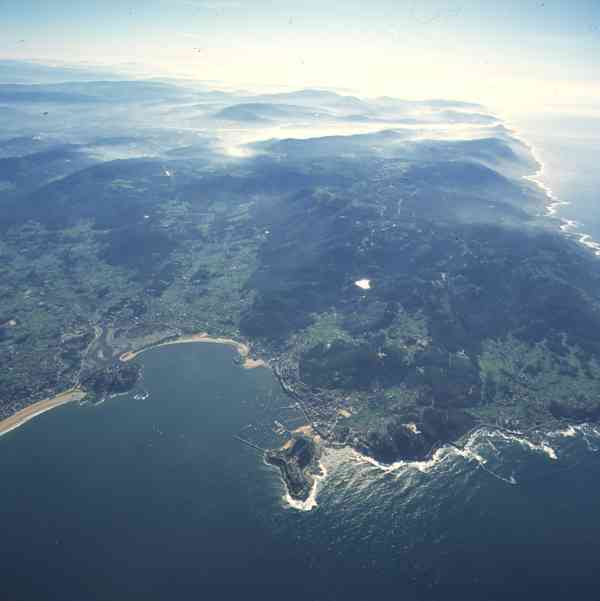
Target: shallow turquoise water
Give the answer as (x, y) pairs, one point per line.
(153, 499)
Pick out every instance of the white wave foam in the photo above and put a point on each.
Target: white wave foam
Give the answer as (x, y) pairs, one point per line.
(590, 436)
(384, 467)
(587, 240)
(554, 203)
(478, 442)
(439, 455)
(569, 432)
(546, 448)
(481, 439)
(311, 502)
(568, 224)
(470, 454)
(467, 452)
(542, 447)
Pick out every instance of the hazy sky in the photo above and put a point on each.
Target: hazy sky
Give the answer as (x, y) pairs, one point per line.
(504, 52)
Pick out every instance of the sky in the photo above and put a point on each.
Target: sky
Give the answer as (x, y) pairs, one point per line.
(507, 54)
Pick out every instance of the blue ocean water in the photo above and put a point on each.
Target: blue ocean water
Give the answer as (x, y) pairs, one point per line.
(153, 499)
(569, 146)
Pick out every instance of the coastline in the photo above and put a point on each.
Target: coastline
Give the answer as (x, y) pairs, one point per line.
(437, 456)
(311, 502)
(468, 449)
(76, 394)
(242, 349)
(567, 226)
(22, 417)
(317, 476)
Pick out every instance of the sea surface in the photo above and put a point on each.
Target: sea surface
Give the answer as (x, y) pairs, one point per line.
(568, 145)
(152, 498)
(149, 496)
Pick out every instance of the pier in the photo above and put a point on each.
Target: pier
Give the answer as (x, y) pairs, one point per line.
(249, 443)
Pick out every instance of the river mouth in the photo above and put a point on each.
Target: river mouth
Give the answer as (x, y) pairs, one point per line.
(152, 497)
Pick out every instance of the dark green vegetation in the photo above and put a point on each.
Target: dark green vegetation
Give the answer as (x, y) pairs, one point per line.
(479, 310)
(115, 379)
(298, 462)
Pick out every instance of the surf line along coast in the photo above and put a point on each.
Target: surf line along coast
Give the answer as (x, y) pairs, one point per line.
(78, 394)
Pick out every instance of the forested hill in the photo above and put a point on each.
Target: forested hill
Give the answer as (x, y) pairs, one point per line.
(121, 225)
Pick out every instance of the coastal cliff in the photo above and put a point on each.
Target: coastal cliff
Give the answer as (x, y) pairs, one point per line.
(298, 461)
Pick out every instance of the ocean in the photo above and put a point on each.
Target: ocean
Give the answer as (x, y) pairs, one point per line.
(568, 145)
(150, 497)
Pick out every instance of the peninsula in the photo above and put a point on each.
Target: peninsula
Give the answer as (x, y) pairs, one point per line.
(403, 289)
(298, 461)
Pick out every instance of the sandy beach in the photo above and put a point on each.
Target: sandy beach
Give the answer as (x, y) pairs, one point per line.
(76, 394)
(241, 348)
(23, 416)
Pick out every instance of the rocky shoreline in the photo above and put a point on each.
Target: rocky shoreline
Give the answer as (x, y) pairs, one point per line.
(298, 462)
